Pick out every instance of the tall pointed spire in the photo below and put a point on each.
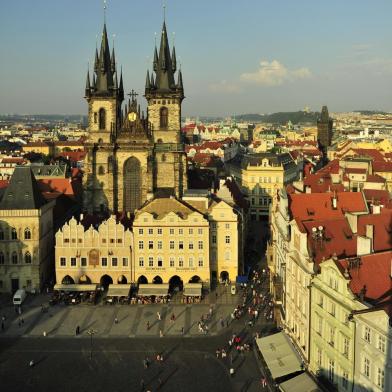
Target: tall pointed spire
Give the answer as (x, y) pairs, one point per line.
(155, 63)
(148, 82)
(174, 60)
(113, 61)
(179, 83)
(88, 86)
(96, 62)
(104, 68)
(121, 87)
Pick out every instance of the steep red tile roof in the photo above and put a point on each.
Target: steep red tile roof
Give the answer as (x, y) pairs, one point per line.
(312, 206)
(377, 195)
(373, 272)
(18, 160)
(382, 235)
(375, 178)
(337, 239)
(355, 170)
(382, 166)
(369, 152)
(73, 156)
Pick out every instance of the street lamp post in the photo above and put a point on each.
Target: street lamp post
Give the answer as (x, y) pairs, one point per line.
(91, 332)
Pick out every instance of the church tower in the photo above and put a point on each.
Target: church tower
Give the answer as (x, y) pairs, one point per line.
(164, 98)
(104, 96)
(324, 130)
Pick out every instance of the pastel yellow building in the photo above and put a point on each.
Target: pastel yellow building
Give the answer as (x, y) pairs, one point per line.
(260, 176)
(26, 234)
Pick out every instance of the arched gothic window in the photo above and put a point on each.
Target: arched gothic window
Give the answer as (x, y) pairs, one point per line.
(1, 235)
(132, 184)
(14, 258)
(102, 118)
(14, 235)
(163, 157)
(27, 234)
(27, 258)
(101, 170)
(164, 116)
(1, 258)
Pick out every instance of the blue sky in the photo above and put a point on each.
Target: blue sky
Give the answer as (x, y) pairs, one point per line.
(248, 56)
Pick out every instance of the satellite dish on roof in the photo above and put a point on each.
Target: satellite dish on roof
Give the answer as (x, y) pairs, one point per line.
(320, 228)
(314, 229)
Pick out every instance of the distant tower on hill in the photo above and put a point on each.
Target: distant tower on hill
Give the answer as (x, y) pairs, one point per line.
(324, 129)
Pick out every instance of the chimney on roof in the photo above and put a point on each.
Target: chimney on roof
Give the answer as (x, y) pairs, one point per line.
(376, 209)
(334, 201)
(346, 273)
(370, 234)
(362, 293)
(81, 217)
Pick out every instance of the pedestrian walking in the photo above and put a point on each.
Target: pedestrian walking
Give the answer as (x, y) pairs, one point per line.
(158, 316)
(22, 320)
(222, 322)
(2, 325)
(77, 331)
(44, 333)
(148, 325)
(160, 333)
(116, 320)
(231, 372)
(182, 330)
(20, 310)
(19, 323)
(31, 363)
(142, 385)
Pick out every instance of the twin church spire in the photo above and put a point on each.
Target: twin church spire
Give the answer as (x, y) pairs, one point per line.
(105, 76)
(165, 67)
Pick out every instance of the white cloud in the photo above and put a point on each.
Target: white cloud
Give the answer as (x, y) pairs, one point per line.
(224, 87)
(275, 73)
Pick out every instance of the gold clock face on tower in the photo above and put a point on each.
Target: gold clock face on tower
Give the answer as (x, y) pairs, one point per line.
(132, 116)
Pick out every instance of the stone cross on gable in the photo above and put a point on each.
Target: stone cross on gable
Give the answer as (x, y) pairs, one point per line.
(133, 94)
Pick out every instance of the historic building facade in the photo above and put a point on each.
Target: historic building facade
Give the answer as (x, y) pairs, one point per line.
(324, 130)
(131, 156)
(26, 234)
(169, 240)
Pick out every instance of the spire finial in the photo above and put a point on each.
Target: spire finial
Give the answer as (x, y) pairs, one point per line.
(104, 10)
(164, 10)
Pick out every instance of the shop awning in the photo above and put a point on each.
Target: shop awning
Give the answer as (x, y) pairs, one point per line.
(146, 290)
(118, 290)
(301, 383)
(75, 287)
(192, 289)
(242, 279)
(279, 354)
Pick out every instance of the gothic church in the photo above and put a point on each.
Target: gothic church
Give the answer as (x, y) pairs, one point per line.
(133, 157)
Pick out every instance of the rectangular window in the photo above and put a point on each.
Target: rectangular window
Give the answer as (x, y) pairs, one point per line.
(319, 356)
(171, 231)
(200, 244)
(114, 262)
(119, 240)
(150, 231)
(160, 231)
(200, 262)
(331, 370)
(227, 239)
(345, 380)
(104, 240)
(190, 262)
(366, 367)
(150, 244)
(214, 239)
(171, 261)
(190, 231)
(191, 245)
(321, 300)
(346, 346)
(150, 261)
(160, 262)
(200, 231)
(227, 225)
(141, 244)
(333, 309)
(180, 262)
(125, 261)
(104, 262)
(66, 240)
(381, 343)
(180, 245)
(171, 244)
(112, 241)
(159, 244)
(141, 262)
(80, 240)
(73, 261)
(141, 231)
(180, 231)
(83, 262)
(366, 335)
(332, 336)
(63, 261)
(213, 225)
(380, 378)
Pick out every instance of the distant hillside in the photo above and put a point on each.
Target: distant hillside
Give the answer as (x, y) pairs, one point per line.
(370, 112)
(280, 117)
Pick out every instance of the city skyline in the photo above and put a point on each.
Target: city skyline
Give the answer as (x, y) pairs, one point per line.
(331, 59)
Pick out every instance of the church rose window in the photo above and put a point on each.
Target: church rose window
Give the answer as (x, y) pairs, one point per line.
(164, 114)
